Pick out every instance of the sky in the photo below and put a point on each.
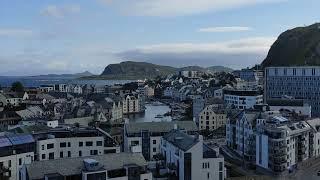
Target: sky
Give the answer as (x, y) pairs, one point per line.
(71, 36)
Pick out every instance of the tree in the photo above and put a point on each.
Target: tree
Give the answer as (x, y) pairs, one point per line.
(17, 87)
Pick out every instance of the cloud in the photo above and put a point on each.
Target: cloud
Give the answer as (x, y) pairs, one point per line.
(235, 53)
(16, 32)
(182, 8)
(225, 29)
(60, 11)
(248, 45)
(72, 59)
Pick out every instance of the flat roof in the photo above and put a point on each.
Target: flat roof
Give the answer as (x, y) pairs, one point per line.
(160, 126)
(74, 166)
(181, 140)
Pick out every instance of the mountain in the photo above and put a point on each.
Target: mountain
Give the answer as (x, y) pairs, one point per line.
(211, 69)
(193, 68)
(61, 76)
(135, 70)
(130, 70)
(296, 47)
(214, 69)
(86, 73)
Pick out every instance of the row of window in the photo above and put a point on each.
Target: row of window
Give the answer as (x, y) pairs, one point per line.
(51, 155)
(64, 144)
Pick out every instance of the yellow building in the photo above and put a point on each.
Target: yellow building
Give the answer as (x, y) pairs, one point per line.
(212, 117)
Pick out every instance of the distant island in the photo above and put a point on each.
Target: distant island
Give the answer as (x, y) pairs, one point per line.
(62, 76)
(53, 76)
(130, 70)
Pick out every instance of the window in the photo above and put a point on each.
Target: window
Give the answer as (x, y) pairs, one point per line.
(63, 144)
(61, 154)
(42, 147)
(93, 152)
(20, 161)
(220, 166)
(80, 153)
(50, 146)
(69, 144)
(69, 154)
(80, 144)
(99, 143)
(154, 149)
(43, 156)
(134, 143)
(51, 155)
(89, 143)
(154, 141)
(108, 151)
(220, 176)
(9, 163)
(208, 175)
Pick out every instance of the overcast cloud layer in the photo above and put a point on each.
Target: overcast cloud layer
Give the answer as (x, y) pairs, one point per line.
(235, 53)
(74, 36)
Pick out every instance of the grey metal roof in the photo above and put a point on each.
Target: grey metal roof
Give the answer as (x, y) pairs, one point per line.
(4, 142)
(13, 139)
(160, 126)
(208, 152)
(74, 166)
(20, 139)
(181, 140)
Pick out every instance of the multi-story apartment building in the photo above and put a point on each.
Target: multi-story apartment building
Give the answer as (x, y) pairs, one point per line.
(243, 99)
(168, 92)
(47, 88)
(132, 104)
(240, 134)
(107, 166)
(271, 141)
(212, 117)
(199, 102)
(61, 87)
(281, 144)
(298, 82)
(13, 98)
(190, 158)
(145, 136)
(70, 142)
(15, 151)
(146, 91)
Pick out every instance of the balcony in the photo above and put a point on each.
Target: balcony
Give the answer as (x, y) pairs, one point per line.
(301, 151)
(279, 153)
(279, 161)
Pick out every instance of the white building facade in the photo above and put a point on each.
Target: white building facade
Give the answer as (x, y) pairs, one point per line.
(243, 99)
(189, 158)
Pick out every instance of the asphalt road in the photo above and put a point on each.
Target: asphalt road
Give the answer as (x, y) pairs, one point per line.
(309, 172)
